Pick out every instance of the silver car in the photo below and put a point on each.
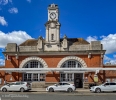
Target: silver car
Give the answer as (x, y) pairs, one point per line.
(16, 86)
(61, 86)
(107, 86)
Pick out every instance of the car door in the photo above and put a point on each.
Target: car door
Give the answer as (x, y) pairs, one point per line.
(105, 87)
(65, 86)
(10, 86)
(58, 87)
(112, 86)
(16, 86)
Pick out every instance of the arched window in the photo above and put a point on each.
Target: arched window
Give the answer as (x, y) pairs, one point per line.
(33, 64)
(69, 64)
(33, 76)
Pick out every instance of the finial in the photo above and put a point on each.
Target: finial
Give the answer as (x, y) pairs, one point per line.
(40, 37)
(65, 37)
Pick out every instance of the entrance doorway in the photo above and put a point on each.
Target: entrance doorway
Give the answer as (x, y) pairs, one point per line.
(78, 80)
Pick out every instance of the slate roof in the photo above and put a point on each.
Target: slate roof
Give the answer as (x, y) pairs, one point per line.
(71, 41)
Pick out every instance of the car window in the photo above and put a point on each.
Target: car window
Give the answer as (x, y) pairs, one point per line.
(65, 84)
(106, 84)
(59, 84)
(18, 83)
(22, 83)
(12, 83)
(112, 83)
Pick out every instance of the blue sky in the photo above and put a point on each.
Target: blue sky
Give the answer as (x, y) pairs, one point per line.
(88, 19)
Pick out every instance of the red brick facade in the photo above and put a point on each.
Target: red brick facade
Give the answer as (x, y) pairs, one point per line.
(52, 61)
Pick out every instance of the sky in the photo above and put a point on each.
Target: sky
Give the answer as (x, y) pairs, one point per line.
(89, 19)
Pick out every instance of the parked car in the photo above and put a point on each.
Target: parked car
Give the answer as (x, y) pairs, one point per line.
(16, 86)
(61, 86)
(107, 86)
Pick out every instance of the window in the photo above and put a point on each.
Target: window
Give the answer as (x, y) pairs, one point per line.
(22, 83)
(106, 84)
(66, 77)
(17, 83)
(66, 84)
(52, 36)
(63, 77)
(69, 64)
(42, 77)
(112, 83)
(33, 64)
(12, 83)
(69, 77)
(33, 76)
(59, 84)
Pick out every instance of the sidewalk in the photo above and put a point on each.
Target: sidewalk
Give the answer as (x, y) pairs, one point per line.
(81, 90)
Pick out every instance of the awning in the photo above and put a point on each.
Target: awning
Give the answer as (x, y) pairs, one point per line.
(38, 70)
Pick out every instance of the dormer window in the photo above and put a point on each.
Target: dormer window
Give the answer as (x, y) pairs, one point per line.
(52, 36)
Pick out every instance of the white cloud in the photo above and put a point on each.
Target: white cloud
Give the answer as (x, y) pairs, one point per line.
(3, 21)
(110, 60)
(109, 42)
(3, 2)
(89, 38)
(13, 10)
(114, 56)
(13, 37)
(29, 1)
(2, 62)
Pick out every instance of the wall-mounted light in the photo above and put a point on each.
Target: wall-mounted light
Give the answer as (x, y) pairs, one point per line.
(89, 55)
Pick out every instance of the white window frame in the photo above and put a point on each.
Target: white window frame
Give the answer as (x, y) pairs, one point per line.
(29, 66)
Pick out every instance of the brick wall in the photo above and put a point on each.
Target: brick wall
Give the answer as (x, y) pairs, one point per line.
(52, 61)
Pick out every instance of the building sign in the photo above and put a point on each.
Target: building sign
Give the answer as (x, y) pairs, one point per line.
(95, 78)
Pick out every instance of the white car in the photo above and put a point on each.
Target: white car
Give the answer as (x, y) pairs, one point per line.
(61, 86)
(16, 86)
(108, 86)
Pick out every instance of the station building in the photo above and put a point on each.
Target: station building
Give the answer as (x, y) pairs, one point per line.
(55, 52)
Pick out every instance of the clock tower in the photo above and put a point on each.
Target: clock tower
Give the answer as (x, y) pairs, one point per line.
(52, 25)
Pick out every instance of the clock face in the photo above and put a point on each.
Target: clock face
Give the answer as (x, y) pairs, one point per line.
(53, 15)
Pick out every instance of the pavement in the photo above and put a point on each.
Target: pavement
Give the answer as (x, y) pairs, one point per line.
(81, 90)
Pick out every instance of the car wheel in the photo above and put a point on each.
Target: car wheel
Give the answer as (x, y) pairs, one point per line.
(4, 90)
(69, 90)
(97, 90)
(22, 89)
(51, 90)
